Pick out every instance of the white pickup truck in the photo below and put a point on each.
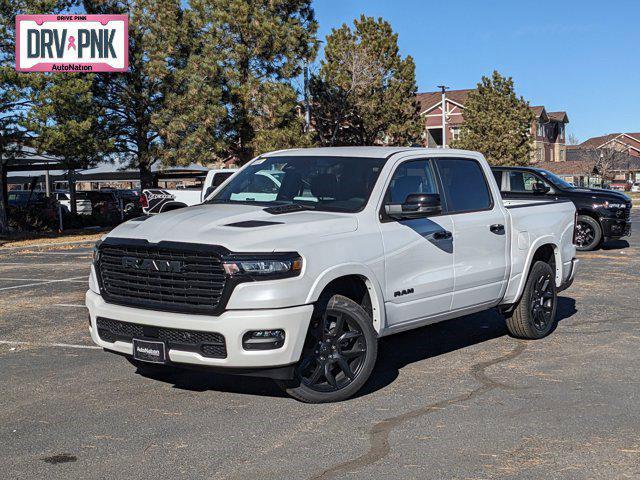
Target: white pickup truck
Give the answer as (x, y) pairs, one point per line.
(159, 200)
(354, 244)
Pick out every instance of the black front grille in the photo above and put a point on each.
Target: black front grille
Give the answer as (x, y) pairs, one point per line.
(208, 344)
(174, 278)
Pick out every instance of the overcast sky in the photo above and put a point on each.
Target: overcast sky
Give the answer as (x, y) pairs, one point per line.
(579, 56)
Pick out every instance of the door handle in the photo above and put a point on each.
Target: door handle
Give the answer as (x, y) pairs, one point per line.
(442, 235)
(497, 228)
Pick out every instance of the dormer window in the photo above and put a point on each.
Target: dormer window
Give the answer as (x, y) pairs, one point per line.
(540, 129)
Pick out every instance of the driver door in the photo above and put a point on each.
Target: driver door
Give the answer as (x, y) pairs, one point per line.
(418, 252)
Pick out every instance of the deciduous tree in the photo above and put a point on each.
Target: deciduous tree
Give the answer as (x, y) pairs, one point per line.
(497, 123)
(364, 93)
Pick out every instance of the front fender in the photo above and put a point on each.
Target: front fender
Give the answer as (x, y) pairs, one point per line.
(371, 281)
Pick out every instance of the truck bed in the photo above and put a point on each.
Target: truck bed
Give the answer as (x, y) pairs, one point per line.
(534, 223)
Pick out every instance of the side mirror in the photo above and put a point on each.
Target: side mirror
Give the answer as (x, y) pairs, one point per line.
(540, 188)
(208, 192)
(416, 205)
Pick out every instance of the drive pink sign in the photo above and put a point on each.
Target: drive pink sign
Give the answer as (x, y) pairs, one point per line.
(72, 43)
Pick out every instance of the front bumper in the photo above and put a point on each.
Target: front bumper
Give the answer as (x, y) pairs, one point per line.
(615, 227)
(232, 324)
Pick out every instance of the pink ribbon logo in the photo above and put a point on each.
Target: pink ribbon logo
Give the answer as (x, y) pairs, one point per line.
(72, 43)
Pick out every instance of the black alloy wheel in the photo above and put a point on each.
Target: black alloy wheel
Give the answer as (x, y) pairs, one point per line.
(335, 353)
(339, 353)
(588, 233)
(542, 301)
(534, 316)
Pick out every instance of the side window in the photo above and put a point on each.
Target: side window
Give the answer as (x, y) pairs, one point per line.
(497, 174)
(523, 182)
(218, 178)
(464, 184)
(415, 176)
(263, 184)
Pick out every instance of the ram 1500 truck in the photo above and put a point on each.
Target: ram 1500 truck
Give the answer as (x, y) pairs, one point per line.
(602, 214)
(355, 243)
(159, 200)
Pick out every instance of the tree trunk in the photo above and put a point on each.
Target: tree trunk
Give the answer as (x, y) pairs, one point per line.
(146, 176)
(4, 200)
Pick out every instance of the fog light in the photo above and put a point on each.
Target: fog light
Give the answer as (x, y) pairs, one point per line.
(263, 340)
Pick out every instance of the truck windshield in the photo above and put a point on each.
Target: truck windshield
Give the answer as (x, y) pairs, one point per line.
(341, 184)
(556, 180)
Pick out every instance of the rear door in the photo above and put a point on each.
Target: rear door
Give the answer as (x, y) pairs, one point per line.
(479, 233)
(418, 252)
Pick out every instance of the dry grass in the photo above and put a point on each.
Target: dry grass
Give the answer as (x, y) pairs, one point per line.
(75, 236)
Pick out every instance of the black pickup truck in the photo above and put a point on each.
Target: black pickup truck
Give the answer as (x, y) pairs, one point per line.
(602, 214)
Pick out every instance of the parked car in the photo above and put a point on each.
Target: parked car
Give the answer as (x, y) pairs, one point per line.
(156, 200)
(83, 205)
(357, 243)
(622, 186)
(130, 199)
(104, 202)
(635, 188)
(602, 214)
(34, 207)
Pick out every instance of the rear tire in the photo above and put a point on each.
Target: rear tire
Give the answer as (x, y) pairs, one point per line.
(535, 315)
(588, 233)
(339, 353)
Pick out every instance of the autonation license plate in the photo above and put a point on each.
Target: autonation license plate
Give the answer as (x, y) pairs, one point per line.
(154, 352)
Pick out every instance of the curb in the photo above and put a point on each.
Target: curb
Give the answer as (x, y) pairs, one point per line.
(46, 245)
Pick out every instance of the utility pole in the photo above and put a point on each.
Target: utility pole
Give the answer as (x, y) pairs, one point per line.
(443, 89)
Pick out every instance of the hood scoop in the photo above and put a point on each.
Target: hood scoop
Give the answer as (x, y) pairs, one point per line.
(252, 224)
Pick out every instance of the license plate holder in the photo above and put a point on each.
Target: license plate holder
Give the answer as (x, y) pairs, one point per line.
(149, 351)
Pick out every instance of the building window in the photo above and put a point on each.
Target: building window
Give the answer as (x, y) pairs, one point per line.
(540, 129)
(561, 130)
(562, 155)
(455, 133)
(539, 154)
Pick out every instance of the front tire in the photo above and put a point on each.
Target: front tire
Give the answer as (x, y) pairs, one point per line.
(339, 353)
(588, 233)
(535, 315)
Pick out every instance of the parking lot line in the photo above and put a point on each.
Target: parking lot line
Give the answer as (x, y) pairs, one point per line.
(43, 283)
(58, 345)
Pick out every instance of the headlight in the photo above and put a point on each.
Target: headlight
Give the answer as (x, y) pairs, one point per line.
(606, 204)
(263, 267)
(96, 251)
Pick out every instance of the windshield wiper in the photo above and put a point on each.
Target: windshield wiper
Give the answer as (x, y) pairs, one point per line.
(288, 208)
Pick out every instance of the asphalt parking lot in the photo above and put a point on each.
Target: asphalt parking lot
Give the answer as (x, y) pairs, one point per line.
(460, 399)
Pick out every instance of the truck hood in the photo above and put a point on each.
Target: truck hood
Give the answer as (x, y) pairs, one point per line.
(237, 227)
(603, 194)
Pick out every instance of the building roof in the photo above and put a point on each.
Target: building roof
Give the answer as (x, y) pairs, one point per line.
(597, 142)
(430, 100)
(569, 167)
(559, 116)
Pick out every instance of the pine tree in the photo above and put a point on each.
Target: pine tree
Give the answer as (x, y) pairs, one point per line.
(497, 123)
(16, 88)
(245, 57)
(134, 103)
(365, 91)
(64, 120)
